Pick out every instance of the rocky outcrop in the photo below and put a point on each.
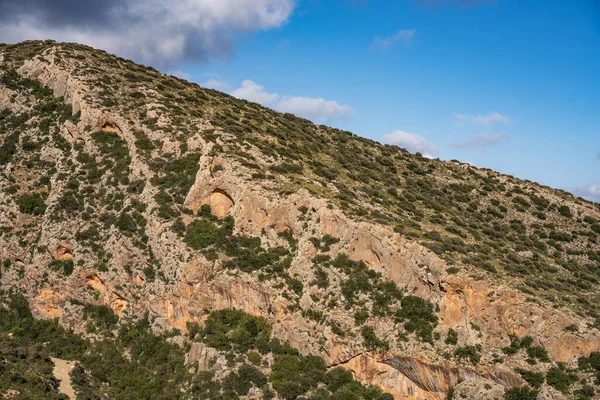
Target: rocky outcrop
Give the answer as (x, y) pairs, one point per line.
(202, 356)
(409, 378)
(48, 303)
(111, 127)
(106, 294)
(500, 311)
(372, 369)
(63, 251)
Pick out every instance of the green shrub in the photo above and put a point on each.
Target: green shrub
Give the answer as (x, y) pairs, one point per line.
(149, 273)
(126, 223)
(418, 316)
(371, 341)
(521, 393)
(516, 344)
(337, 377)
(560, 379)
(360, 316)
(321, 278)
(534, 379)
(246, 377)
(586, 392)
(565, 211)
(452, 337)
(232, 329)
(32, 203)
(469, 352)
(538, 353)
(8, 148)
(591, 364)
(202, 234)
(293, 375)
(101, 315)
(65, 267)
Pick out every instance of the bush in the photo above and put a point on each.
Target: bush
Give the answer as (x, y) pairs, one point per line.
(560, 379)
(586, 392)
(418, 317)
(337, 377)
(8, 148)
(452, 338)
(534, 379)
(521, 393)
(31, 204)
(245, 378)
(102, 315)
(591, 364)
(126, 223)
(371, 341)
(360, 316)
(233, 329)
(538, 353)
(469, 352)
(565, 211)
(202, 234)
(63, 266)
(294, 375)
(68, 202)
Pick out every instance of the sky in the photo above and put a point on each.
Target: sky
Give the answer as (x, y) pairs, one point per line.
(503, 84)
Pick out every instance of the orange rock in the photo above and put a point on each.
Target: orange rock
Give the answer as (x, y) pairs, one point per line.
(118, 305)
(109, 126)
(63, 251)
(94, 282)
(48, 303)
(220, 202)
(139, 280)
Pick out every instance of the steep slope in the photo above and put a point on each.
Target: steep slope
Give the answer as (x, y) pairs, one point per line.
(126, 188)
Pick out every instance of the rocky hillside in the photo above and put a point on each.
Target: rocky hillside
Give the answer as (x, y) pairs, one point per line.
(180, 243)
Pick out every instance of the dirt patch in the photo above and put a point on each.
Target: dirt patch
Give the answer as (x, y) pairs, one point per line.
(62, 369)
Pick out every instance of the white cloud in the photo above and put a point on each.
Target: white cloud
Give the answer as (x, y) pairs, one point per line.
(315, 109)
(482, 140)
(252, 91)
(591, 192)
(149, 31)
(411, 142)
(180, 74)
(214, 84)
(485, 120)
(404, 36)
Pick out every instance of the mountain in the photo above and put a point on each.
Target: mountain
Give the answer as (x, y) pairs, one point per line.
(175, 242)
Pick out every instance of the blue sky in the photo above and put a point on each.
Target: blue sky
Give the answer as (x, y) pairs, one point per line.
(505, 84)
(536, 65)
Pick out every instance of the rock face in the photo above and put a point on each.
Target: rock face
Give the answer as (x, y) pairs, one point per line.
(63, 251)
(482, 312)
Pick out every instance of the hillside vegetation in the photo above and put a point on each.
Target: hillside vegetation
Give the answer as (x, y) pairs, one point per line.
(101, 161)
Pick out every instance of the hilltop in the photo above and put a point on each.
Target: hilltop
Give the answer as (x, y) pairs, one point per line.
(138, 205)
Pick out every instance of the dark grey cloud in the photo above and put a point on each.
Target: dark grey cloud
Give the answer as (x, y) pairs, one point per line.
(59, 12)
(158, 32)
